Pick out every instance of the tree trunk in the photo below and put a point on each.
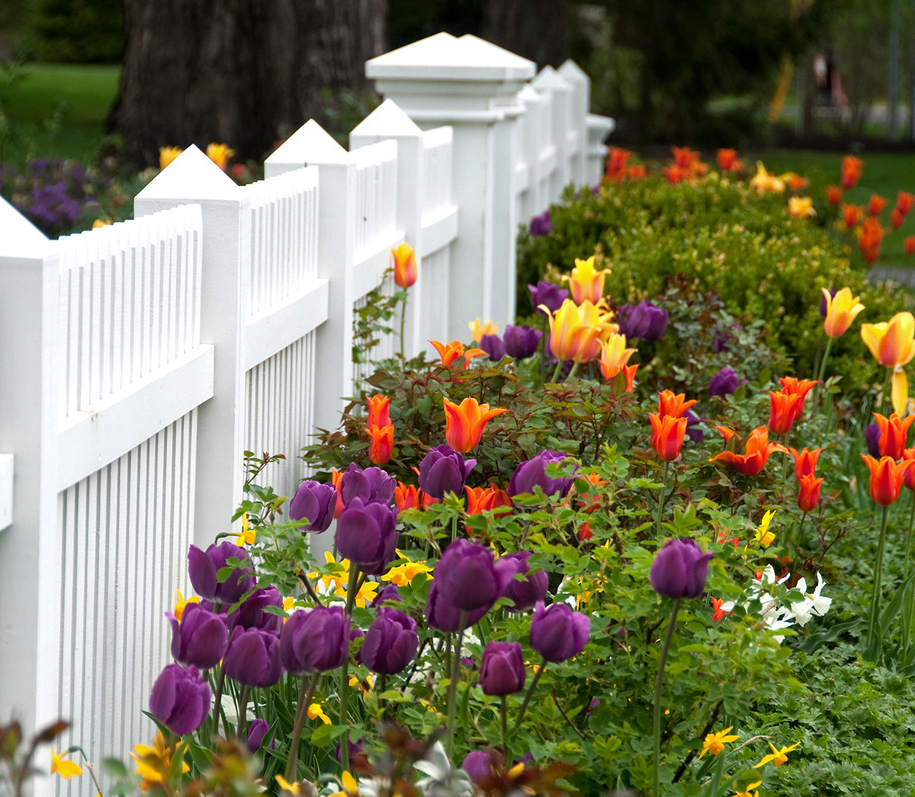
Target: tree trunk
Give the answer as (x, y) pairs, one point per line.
(535, 29)
(240, 72)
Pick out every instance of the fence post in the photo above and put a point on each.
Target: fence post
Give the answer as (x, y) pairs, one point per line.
(29, 402)
(471, 85)
(312, 146)
(389, 121)
(575, 76)
(559, 94)
(226, 243)
(599, 127)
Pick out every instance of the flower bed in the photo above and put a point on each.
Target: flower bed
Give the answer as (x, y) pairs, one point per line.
(641, 550)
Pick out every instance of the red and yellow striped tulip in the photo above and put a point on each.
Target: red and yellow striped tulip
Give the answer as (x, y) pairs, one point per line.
(405, 272)
(841, 310)
(586, 282)
(893, 345)
(667, 435)
(886, 478)
(381, 448)
(465, 422)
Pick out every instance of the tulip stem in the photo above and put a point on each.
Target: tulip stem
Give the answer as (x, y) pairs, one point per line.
(403, 317)
(574, 371)
(351, 590)
(907, 611)
(530, 692)
(217, 703)
(816, 394)
(242, 712)
(309, 588)
(452, 685)
(306, 690)
(506, 750)
(555, 375)
(658, 686)
(661, 498)
(878, 578)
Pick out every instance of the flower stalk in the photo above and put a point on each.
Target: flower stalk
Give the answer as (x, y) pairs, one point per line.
(658, 687)
(878, 578)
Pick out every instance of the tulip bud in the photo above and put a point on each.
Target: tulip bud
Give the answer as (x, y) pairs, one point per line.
(479, 767)
(541, 225)
(468, 578)
(679, 570)
(203, 568)
(645, 320)
(532, 473)
(502, 669)
(558, 633)
(493, 346)
(253, 657)
(442, 615)
(180, 699)
(371, 484)
(524, 592)
(200, 638)
(251, 614)
(314, 641)
(367, 534)
(725, 382)
(256, 734)
(521, 342)
(314, 502)
(872, 439)
(547, 294)
(444, 470)
(390, 643)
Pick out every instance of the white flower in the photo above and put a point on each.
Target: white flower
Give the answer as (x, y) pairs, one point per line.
(813, 604)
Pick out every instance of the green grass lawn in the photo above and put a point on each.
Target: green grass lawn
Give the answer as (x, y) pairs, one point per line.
(57, 110)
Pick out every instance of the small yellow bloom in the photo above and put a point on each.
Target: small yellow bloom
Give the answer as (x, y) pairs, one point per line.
(336, 582)
(478, 329)
(841, 310)
(749, 793)
(402, 575)
(613, 355)
(99, 223)
(153, 763)
(288, 603)
(365, 686)
(777, 757)
(167, 155)
(66, 769)
(180, 603)
(763, 536)
(220, 154)
(766, 183)
(714, 743)
(800, 207)
(285, 785)
(248, 535)
(350, 787)
(316, 712)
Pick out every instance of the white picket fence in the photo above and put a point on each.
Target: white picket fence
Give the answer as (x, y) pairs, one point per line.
(138, 361)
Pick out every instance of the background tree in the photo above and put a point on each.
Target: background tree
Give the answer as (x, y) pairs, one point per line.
(241, 72)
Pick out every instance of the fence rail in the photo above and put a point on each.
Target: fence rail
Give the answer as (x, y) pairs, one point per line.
(139, 361)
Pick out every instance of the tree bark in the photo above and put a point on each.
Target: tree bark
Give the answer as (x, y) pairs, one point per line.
(241, 72)
(535, 29)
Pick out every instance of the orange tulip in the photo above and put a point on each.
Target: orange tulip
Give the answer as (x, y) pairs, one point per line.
(635, 172)
(673, 406)
(727, 160)
(613, 355)
(758, 449)
(451, 351)
(870, 236)
(336, 476)
(675, 174)
(629, 373)
(893, 431)
(886, 478)
(805, 461)
(904, 202)
(875, 205)
(487, 499)
(381, 448)
(909, 244)
(784, 411)
(616, 163)
(833, 195)
(851, 171)
(791, 386)
(405, 272)
(379, 414)
(893, 345)
(809, 495)
(841, 310)
(465, 422)
(851, 215)
(407, 497)
(667, 435)
(897, 217)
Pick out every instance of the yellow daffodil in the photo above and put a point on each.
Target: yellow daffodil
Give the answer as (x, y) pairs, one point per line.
(777, 757)
(220, 154)
(66, 769)
(766, 183)
(800, 207)
(180, 603)
(586, 282)
(167, 155)
(841, 310)
(153, 763)
(316, 712)
(286, 786)
(248, 535)
(748, 792)
(478, 329)
(893, 345)
(763, 536)
(714, 743)
(350, 787)
(402, 575)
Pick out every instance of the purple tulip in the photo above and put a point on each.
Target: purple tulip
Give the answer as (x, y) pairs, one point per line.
(371, 484)
(521, 342)
(558, 633)
(532, 473)
(725, 382)
(469, 579)
(314, 641)
(200, 638)
(443, 616)
(493, 346)
(526, 591)
(203, 568)
(388, 592)
(180, 699)
(542, 224)
(872, 439)
(253, 657)
(390, 643)
(479, 766)
(502, 669)
(367, 534)
(548, 294)
(444, 470)
(256, 734)
(679, 569)
(315, 503)
(251, 614)
(693, 430)
(645, 320)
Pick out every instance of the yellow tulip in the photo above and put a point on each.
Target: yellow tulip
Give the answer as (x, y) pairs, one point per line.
(167, 155)
(220, 154)
(766, 183)
(841, 310)
(586, 282)
(800, 207)
(614, 355)
(568, 335)
(478, 329)
(893, 345)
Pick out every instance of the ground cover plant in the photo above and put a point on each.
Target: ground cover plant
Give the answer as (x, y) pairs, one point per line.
(658, 544)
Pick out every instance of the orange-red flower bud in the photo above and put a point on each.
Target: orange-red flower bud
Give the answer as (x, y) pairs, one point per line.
(336, 476)
(896, 218)
(407, 497)
(909, 244)
(405, 272)
(667, 435)
(758, 449)
(886, 478)
(784, 411)
(793, 386)
(909, 478)
(833, 195)
(851, 171)
(809, 494)
(893, 431)
(875, 205)
(381, 448)
(449, 352)
(805, 461)
(379, 410)
(487, 499)
(670, 405)
(851, 215)
(465, 422)
(629, 373)
(727, 160)
(904, 202)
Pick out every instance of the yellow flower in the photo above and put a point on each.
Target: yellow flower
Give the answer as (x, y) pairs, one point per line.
(350, 787)
(800, 207)
(586, 282)
(777, 757)
(288, 603)
(714, 743)
(477, 329)
(316, 712)
(180, 603)
(167, 155)
(365, 685)
(749, 793)
(893, 345)
(763, 536)
(99, 223)
(285, 785)
(220, 154)
(248, 535)
(153, 763)
(402, 575)
(613, 355)
(335, 582)
(766, 183)
(66, 769)
(841, 310)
